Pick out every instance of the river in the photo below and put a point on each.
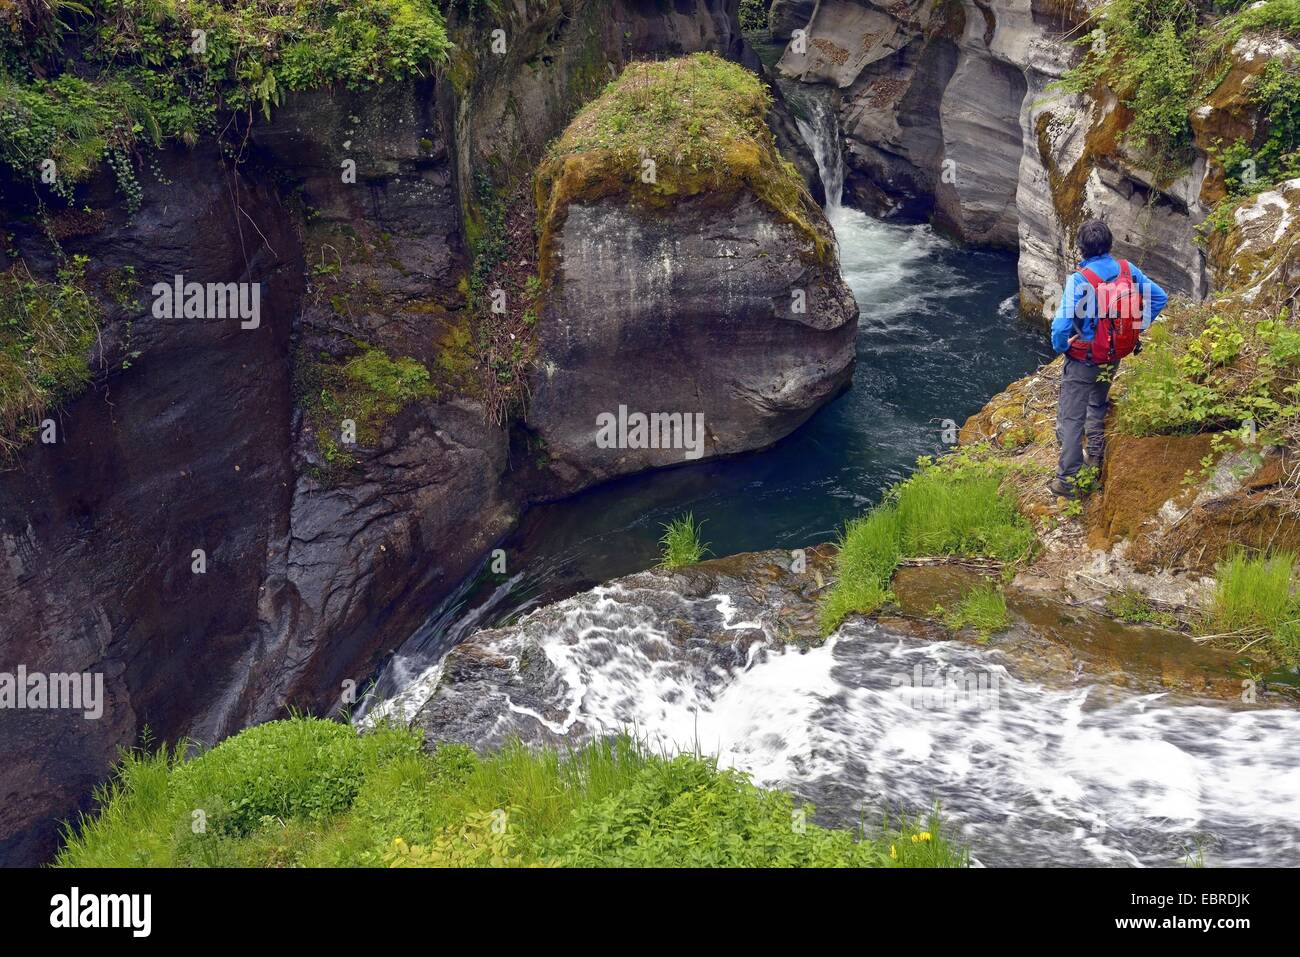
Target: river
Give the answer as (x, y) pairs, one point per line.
(1055, 774)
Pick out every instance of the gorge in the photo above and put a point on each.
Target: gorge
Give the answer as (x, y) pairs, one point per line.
(952, 170)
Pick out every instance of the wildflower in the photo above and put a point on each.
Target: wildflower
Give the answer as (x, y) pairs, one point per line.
(923, 836)
(893, 852)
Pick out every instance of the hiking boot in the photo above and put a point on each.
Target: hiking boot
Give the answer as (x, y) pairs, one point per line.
(1090, 462)
(1062, 488)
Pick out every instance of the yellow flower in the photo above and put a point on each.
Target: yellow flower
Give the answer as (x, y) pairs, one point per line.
(923, 836)
(893, 853)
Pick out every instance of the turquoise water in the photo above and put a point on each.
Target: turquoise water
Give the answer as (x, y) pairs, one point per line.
(938, 337)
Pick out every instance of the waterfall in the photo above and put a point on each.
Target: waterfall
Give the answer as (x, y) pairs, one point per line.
(820, 128)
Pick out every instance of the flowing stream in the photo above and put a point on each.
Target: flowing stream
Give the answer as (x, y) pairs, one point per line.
(1064, 771)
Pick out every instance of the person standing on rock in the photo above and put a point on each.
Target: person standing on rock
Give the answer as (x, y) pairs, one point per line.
(1105, 306)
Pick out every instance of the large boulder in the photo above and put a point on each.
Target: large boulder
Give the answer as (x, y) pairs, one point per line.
(710, 294)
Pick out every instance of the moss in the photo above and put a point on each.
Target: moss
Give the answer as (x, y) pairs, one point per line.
(1069, 187)
(46, 333)
(701, 121)
(456, 359)
(368, 389)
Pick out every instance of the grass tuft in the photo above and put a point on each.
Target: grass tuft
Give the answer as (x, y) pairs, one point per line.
(983, 608)
(1256, 597)
(943, 509)
(681, 545)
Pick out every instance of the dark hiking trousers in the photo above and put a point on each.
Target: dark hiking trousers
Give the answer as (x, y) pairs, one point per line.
(1085, 400)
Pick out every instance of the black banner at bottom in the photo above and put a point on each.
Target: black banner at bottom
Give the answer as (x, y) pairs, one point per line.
(338, 907)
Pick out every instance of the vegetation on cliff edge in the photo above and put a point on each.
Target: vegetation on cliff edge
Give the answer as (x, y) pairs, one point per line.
(1165, 58)
(307, 792)
(46, 331)
(81, 84)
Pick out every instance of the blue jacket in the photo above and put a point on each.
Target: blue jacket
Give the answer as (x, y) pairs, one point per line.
(1076, 289)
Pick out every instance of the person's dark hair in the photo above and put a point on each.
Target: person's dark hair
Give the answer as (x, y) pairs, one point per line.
(1094, 238)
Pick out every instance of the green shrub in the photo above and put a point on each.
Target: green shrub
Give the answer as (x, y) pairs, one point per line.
(162, 809)
(1211, 367)
(685, 812)
(681, 545)
(753, 16)
(311, 793)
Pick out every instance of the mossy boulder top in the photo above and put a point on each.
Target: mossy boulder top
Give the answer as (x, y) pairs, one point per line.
(689, 128)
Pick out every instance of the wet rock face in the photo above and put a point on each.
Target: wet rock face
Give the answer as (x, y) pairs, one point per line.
(189, 449)
(368, 544)
(691, 314)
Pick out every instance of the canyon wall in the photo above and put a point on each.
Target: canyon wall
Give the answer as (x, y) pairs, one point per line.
(198, 534)
(950, 113)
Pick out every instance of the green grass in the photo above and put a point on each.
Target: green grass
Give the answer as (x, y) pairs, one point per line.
(1256, 596)
(983, 609)
(307, 792)
(951, 508)
(1131, 606)
(46, 333)
(681, 544)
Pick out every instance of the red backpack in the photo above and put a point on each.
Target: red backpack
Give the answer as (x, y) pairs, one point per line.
(1119, 318)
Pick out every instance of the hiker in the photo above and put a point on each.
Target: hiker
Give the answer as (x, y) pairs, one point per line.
(1126, 302)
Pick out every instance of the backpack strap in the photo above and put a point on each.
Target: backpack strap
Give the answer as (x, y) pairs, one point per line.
(1125, 272)
(1095, 282)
